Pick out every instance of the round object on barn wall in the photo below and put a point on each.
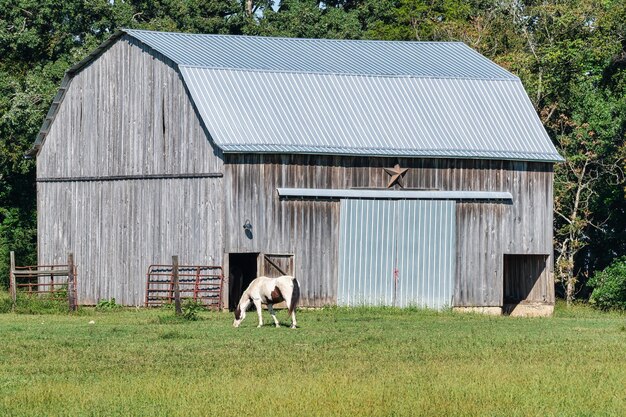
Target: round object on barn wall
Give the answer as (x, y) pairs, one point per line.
(247, 227)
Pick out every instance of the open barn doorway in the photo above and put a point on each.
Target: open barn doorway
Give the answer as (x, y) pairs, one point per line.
(242, 269)
(523, 280)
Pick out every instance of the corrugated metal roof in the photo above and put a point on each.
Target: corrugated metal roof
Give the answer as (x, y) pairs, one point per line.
(278, 112)
(374, 98)
(415, 59)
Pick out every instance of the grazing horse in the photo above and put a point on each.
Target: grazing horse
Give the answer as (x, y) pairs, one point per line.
(264, 290)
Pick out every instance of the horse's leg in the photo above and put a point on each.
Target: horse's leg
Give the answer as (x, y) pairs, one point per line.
(270, 307)
(293, 313)
(293, 319)
(259, 311)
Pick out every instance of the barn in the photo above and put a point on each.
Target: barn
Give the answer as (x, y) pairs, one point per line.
(376, 172)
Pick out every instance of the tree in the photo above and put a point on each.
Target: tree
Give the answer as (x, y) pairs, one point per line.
(570, 56)
(39, 41)
(583, 110)
(309, 19)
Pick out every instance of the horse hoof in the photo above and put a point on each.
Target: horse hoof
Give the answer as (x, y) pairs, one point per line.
(278, 325)
(260, 325)
(293, 327)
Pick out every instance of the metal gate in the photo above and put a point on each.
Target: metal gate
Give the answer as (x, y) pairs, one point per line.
(199, 283)
(397, 252)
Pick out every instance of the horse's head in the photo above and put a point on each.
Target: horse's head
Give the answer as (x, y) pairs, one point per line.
(238, 317)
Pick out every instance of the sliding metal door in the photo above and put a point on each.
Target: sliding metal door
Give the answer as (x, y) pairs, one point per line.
(397, 253)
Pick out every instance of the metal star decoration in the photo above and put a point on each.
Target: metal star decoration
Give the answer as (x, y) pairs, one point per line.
(396, 175)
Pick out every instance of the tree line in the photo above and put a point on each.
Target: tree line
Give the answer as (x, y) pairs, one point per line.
(569, 54)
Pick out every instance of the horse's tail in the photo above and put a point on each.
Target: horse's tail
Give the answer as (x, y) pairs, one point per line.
(295, 295)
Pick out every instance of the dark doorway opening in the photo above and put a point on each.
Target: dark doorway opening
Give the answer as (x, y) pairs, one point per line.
(521, 274)
(242, 269)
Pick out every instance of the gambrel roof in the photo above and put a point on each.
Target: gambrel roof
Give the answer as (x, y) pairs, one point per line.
(352, 97)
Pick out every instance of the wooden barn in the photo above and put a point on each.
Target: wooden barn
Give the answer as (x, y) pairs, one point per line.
(394, 173)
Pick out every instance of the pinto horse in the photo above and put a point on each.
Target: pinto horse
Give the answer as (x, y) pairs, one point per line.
(264, 290)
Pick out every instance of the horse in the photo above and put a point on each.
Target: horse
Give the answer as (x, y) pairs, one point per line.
(264, 290)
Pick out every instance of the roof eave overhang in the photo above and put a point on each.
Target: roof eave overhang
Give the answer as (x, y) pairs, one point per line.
(409, 153)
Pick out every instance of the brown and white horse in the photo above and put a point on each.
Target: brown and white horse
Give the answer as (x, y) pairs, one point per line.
(264, 290)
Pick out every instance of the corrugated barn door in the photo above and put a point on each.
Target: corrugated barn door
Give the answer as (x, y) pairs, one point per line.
(397, 252)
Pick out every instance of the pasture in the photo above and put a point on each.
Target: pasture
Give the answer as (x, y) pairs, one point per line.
(340, 362)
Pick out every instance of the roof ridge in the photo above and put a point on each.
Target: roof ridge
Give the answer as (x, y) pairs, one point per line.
(511, 78)
(442, 60)
(224, 35)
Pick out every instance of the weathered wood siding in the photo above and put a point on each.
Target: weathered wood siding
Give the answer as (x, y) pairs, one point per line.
(118, 228)
(128, 114)
(309, 228)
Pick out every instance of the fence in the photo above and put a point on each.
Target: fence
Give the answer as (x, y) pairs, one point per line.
(57, 282)
(200, 283)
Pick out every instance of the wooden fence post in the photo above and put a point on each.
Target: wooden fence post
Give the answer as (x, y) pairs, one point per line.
(71, 293)
(177, 307)
(12, 286)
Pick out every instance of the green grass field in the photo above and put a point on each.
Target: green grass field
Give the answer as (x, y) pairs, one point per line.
(340, 362)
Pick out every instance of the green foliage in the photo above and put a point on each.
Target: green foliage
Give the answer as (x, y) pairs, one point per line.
(40, 305)
(609, 286)
(17, 233)
(191, 309)
(196, 16)
(308, 19)
(34, 304)
(5, 302)
(107, 305)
